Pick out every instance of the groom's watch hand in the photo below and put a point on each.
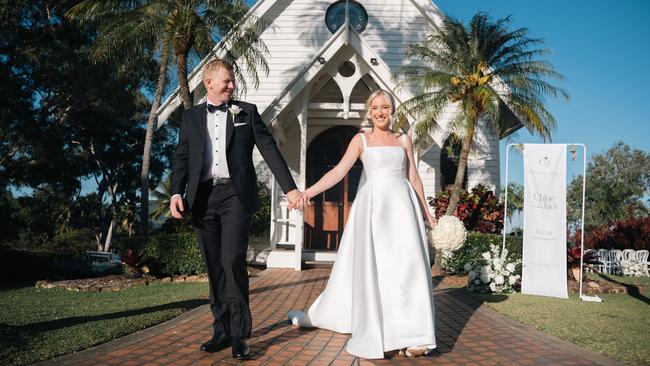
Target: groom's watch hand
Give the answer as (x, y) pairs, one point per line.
(176, 206)
(295, 199)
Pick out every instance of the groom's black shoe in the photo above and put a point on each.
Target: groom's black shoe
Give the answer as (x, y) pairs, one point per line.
(240, 348)
(218, 342)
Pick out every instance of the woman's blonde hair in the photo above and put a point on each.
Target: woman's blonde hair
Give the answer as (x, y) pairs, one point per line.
(366, 125)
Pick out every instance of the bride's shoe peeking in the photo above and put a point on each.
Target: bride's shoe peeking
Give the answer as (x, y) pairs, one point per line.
(417, 351)
(299, 318)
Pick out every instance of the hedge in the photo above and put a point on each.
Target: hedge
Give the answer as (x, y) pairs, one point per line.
(477, 243)
(179, 254)
(25, 265)
(167, 254)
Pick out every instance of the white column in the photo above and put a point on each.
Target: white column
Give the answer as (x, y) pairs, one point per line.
(302, 181)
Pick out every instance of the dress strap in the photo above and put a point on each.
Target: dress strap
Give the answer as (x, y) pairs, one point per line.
(363, 139)
(403, 140)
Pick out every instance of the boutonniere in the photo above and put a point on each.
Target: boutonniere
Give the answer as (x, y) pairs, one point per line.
(234, 110)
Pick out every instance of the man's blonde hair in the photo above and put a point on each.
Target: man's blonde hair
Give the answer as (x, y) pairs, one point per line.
(216, 64)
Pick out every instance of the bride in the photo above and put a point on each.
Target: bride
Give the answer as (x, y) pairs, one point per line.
(380, 287)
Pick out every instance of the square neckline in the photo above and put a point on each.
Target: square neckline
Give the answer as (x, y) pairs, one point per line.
(365, 142)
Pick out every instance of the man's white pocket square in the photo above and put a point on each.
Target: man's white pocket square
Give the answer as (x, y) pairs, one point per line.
(239, 124)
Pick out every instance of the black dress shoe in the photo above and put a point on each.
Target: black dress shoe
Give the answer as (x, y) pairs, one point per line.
(240, 348)
(218, 342)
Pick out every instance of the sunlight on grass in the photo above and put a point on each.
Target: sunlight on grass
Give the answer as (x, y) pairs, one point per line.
(617, 327)
(38, 324)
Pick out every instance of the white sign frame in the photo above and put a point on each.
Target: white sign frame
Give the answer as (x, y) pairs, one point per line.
(582, 220)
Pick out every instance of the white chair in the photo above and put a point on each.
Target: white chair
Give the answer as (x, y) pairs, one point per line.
(603, 258)
(615, 257)
(642, 256)
(628, 254)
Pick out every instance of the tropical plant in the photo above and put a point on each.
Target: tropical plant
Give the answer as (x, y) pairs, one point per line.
(162, 196)
(515, 199)
(261, 218)
(174, 30)
(486, 72)
(478, 209)
(589, 260)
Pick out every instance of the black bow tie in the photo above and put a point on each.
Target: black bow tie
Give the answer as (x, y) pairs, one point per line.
(213, 108)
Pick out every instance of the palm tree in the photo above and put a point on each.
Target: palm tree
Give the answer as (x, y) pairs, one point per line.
(162, 197)
(175, 28)
(484, 71)
(515, 199)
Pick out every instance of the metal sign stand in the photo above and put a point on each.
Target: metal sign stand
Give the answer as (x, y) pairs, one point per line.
(582, 221)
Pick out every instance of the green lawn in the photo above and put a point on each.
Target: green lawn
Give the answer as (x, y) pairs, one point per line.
(38, 324)
(618, 328)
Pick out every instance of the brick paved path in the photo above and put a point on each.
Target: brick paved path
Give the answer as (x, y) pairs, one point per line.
(467, 334)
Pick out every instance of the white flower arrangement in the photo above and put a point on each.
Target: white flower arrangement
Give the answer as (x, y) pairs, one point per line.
(632, 267)
(234, 110)
(448, 235)
(492, 272)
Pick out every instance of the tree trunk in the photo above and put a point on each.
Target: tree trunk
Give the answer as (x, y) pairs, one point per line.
(460, 174)
(112, 191)
(148, 140)
(182, 81)
(109, 236)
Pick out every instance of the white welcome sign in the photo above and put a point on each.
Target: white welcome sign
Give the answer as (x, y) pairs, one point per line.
(544, 270)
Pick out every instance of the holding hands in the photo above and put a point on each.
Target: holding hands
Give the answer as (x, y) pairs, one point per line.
(297, 199)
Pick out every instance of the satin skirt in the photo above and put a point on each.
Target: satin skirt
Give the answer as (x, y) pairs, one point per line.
(380, 287)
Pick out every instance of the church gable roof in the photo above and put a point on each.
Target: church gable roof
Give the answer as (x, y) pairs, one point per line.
(298, 33)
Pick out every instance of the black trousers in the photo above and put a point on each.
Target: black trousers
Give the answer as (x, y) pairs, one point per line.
(222, 225)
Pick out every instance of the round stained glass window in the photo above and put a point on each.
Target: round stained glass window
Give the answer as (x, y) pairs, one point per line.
(335, 16)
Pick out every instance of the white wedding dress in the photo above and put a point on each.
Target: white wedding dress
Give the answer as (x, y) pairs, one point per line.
(380, 287)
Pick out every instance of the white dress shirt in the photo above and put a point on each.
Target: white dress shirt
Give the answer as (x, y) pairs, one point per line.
(215, 164)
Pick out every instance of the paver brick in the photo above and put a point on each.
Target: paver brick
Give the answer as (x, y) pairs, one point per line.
(466, 332)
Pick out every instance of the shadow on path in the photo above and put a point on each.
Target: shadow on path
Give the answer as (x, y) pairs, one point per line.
(288, 284)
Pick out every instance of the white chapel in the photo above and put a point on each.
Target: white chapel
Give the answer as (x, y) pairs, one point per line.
(325, 57)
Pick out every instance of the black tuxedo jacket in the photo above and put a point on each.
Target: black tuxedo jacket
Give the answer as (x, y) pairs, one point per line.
(242, 133)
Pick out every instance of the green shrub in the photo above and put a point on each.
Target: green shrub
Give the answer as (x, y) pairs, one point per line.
(167, 254)
(477, 243)
(261, 219)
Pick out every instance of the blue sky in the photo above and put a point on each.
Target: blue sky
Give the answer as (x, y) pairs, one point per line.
(602, 48)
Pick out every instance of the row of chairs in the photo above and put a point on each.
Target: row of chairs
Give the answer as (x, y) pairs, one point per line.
(611, 259)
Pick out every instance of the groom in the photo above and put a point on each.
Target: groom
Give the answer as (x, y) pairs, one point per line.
(213, 165)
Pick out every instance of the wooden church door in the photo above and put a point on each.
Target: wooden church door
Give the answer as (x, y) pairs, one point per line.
(326, 217)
